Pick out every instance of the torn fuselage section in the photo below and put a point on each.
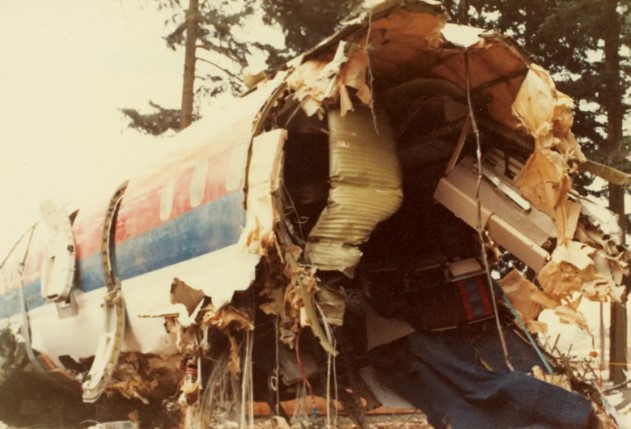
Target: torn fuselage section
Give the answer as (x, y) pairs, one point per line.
(359, 251)
(371, 197)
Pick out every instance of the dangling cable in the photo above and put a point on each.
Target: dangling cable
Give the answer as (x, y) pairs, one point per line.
(17, 243)
(335, 393)
(25, 321)
(371, 78)
(522, 326)
(250, 338)
(479, 228)
(329, 372)
(277, 367)
(247, 385)
(292, 208)
(300, 405)
(305, 379)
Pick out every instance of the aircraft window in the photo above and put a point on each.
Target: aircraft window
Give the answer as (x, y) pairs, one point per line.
(166, 200)
(198, 184)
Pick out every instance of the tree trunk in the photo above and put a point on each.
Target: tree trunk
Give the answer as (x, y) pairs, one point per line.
(463, 12)
(615, 113)
(618, 321)
(188, 85)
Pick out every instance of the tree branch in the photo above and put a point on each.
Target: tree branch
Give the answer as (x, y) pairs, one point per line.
(226, 71)
(610, 174)
(176, 36)
(220, 50)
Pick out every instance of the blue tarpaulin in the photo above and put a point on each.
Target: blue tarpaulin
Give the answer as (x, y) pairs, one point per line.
(460, 380)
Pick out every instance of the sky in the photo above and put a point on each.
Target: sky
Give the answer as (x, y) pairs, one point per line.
(67, 68)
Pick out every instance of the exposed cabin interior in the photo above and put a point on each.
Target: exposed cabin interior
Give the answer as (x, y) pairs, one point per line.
(426, 124)
(404, 272)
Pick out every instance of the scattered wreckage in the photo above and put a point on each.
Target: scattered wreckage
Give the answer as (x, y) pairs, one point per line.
(329, 240)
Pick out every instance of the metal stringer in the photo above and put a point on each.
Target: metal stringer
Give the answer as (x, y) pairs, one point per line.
(110, 342)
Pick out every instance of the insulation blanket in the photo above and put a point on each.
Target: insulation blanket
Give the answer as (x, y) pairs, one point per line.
(461, 381)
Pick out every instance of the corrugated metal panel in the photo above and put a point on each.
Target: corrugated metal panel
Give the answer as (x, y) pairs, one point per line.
(365, 189)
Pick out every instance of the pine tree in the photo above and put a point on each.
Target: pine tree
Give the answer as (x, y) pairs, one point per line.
(215, 37)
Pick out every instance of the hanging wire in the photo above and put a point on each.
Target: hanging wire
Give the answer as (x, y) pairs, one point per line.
(292, 115)
(277, 366)
(247, 385)
(370, 75)
(16, 244)
(335, 391)
(330, 373)
(300, 220)
(250, 338)
(522, 326)
(479, 227)
(305, 378)
(25, 322)
(300, 406)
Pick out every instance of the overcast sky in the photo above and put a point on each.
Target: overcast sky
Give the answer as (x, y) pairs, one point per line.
(66, 68)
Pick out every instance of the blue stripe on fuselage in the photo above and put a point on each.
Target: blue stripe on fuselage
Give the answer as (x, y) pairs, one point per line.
(202, 230)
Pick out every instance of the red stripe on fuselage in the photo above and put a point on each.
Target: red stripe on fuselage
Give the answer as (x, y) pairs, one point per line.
(140, 209)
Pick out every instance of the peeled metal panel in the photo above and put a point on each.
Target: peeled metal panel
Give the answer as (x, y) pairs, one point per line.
(263, 180)
(365, 188)
(58, 265)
